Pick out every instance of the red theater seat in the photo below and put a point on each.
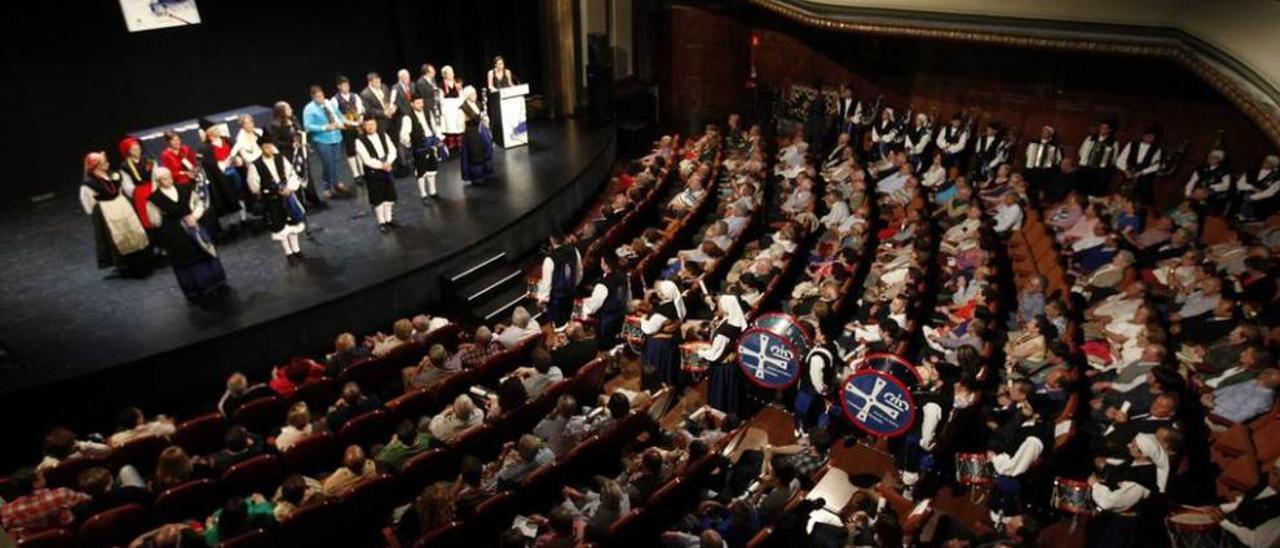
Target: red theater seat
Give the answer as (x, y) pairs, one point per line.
(141, 452)
(115, 527)
(201, 435)
(313, 454)
(195, 499)
(262, 415)
(260, 474)
(366, 429)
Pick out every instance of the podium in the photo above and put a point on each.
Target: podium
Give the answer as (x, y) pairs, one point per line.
(507, 116)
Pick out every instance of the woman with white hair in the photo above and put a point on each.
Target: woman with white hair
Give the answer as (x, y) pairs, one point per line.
(661, 328)
(456, 419)
(725, 386)
(1122, 488)
(176, 210)
(477, 144)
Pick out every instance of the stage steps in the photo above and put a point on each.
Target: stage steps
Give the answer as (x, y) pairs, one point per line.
(487, 289)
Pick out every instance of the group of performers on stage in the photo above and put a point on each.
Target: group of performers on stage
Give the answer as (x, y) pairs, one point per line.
(179, 204)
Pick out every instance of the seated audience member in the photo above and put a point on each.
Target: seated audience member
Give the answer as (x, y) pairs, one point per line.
(554, 428)
(456, 419)
(299, 371)
(432, 509)
(520, 459)
(238, 392)
(61, 444)
(173, 468)
(239, 446)
(297, 426)
(238, 516)
(345, 352)
(355, 467)
(474, 353)
(295, 492)
(401, 333)
(579, 349)
(39, 506)
(352, 403)
(562, 530)
(106, 494)
(522, 327)
(543, 374)
(508, 397)
(470, 489)
(1243, 401)
(410, 439)
(423, 325)
(132, 424)
(433, 368)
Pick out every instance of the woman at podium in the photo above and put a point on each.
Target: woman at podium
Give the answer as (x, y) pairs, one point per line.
(477, 143)
(499, 76)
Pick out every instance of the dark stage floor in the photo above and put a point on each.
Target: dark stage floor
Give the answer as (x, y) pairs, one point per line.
(63, 319)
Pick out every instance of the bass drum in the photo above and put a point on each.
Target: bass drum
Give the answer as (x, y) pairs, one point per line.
(890, 364)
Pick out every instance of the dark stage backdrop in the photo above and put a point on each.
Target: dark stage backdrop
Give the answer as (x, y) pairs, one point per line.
(75, 80)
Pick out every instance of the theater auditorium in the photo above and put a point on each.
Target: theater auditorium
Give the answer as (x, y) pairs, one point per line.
(640, 273)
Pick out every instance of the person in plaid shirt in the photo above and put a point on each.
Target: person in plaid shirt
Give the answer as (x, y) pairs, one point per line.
(41, 507)
(475, 353)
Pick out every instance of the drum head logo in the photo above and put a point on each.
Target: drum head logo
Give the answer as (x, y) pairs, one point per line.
(768, 359)
(877, 403)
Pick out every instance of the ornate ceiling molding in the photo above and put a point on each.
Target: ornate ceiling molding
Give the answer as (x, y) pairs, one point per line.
(1243, 87)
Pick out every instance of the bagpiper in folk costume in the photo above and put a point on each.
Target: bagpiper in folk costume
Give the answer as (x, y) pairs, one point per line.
(272, 180)
(1042, 158)
(1140, 162)
(118, 234)
(1098, 159)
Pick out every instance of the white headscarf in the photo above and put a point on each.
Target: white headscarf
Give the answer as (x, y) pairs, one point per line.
(669, 292)
(1150, 446)
(732, 308)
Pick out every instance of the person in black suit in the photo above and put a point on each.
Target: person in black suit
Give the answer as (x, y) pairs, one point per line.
(379, 102)
(240, 446)
(426, 88)
(577, 352)
(353, 403)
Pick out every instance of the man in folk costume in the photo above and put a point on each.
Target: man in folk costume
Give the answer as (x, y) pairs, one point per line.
(561, 272)
(848, 115)
(662, 330)
(952, 140)
(1210, 185)
(988, 153)
(1259, 191)
(1098, 159)
(608, 301)
(176, 211)
(916, 457)
(917, 140)
(272, 179)
(1121, 490)
(418, 135)
(378, 102)
(724, 384)
(1139, 162)
(816, 381)
(1013, 452)
(377, 153)
(884, 134)
(1041, 161)
(1253, 518)
(118, 234)
(351, 110)
(135, 177)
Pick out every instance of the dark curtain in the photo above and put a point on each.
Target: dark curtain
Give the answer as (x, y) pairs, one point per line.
(76, 80)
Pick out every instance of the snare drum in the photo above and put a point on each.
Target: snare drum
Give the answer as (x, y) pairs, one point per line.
(974, 469)
(1193, 529)
(890, 364)
(786, 326)
(1072, 496)
(692, 363)
(633, 334)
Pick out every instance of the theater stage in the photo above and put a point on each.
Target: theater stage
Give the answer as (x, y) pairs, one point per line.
(63, 321)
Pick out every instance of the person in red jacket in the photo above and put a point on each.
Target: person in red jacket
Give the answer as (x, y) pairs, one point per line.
(287, 378)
